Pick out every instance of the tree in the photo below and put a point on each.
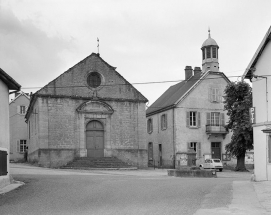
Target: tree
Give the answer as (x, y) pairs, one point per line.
(238, 100)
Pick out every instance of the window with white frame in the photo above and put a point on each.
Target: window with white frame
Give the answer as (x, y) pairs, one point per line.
(164, 122)
(149, 125)
(215, 119)
(21, 109)
(193, 119)
(21, 146)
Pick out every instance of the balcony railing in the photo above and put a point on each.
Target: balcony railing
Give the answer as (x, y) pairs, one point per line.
(220, 129)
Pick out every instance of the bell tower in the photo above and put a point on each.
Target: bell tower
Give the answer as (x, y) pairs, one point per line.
(210, 55)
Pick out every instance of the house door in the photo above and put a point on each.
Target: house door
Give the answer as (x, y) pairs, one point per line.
(216, 150)
(150, 154)
(160, 155)
(95, 139)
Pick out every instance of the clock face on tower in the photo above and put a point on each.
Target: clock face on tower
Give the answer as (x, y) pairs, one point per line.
(94, 79)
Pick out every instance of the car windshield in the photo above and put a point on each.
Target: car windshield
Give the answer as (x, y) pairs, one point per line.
(217, 161)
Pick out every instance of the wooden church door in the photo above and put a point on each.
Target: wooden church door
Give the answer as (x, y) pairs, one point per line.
(95, 139)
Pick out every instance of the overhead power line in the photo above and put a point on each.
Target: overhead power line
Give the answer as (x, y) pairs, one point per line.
(137, 83)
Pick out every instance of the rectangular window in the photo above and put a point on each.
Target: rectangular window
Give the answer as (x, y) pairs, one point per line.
(164, 122)
(208, 52)
(149, 125)
(193, 145)
(214, 52)
(215, 118)
(193, 119)
(215, 95)
(203, 54)
(196, 146)
(21, 146)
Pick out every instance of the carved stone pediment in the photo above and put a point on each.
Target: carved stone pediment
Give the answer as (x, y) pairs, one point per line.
(97, 107)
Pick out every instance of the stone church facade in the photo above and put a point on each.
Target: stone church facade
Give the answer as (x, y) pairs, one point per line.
(88, 111)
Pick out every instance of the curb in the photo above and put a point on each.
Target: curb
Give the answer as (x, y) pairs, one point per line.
(14, 185)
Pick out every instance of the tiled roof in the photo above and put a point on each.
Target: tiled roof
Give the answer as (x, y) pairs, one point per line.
(173, 94)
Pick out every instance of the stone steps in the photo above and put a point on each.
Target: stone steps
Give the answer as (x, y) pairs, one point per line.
(99, 163)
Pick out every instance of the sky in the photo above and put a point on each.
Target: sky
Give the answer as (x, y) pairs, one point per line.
(147, 40)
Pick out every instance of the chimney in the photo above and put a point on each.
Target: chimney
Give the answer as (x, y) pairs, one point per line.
(188, 72)
(197, 70)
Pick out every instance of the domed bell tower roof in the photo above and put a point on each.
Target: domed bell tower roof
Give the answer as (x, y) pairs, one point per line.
(209, 42)
(210, 55)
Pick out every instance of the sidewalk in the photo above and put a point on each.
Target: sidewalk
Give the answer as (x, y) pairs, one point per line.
(249, 198)
(14, 185)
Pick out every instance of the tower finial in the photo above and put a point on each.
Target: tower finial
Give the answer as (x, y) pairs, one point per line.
(209, 32)
(98, 45)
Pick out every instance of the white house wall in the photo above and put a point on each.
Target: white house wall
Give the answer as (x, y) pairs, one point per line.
(263, 68)
(4, 127)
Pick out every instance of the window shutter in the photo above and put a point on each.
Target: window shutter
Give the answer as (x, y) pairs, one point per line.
(199, 149)
(18, 109)
(208, 117)
(199, 120)
(222, 115)
(18, 145)
(210, 95)
(187, 119)
(219, 96)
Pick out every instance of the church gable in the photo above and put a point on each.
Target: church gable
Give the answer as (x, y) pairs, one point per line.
(92, 77)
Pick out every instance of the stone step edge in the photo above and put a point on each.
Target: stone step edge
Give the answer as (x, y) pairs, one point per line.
(101, 168)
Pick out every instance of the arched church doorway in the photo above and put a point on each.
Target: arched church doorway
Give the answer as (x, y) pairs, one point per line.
(95, 139)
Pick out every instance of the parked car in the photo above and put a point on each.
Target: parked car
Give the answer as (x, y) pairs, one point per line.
(212, 164)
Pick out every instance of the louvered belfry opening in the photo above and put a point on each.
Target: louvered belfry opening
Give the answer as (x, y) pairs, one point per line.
(3, 163)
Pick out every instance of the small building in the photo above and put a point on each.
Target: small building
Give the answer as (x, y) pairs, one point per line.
(18, 127)
(186, 123)
(88, 111)
(259, 73)
(6, 84)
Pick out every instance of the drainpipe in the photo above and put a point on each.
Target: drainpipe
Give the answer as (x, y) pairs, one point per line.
(173, 120)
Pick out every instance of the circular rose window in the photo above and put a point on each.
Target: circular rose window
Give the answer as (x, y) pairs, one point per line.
(94, 79)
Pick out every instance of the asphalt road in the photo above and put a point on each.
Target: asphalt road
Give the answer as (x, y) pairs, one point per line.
(114, 192)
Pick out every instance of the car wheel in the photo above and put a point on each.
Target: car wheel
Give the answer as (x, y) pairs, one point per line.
(220, 170)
